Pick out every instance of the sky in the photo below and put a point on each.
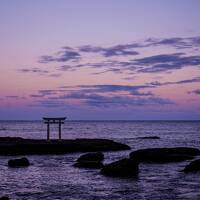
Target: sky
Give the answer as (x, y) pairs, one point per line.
(100, 60)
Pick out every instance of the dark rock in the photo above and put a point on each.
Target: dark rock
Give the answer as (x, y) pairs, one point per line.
(90, 160)
(20, 146)
(163, 155)
(22, 162)
(122, 168)
(96, 156)
(89, 164)
(4, 198)
(194, 166)
(149, 137)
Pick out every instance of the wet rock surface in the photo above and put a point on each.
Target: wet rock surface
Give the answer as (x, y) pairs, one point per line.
(121, 168)
(90, 160)
(4, 198)
(89, 164)
(96, 156)
(21, 162)
(20, 146)
(194, 166)
(164, 155)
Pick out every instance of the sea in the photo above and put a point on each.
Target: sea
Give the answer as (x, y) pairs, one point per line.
(53, 177)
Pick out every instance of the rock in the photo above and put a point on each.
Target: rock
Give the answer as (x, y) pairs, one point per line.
(90, 160)
(4, 198)
(149, 137)
(89, 164)
(96, 156)
(22, 162)
(121, 168)
(20, 146)
(194, 166)
(164, 155)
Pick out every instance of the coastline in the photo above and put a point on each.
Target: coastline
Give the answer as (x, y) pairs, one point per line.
(21, 146)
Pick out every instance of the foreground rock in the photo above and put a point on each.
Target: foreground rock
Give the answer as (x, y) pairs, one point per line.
(4, 198)
(164, 155)
(96, 156)
(89, 164)
(122, 168)
(20, 146)
(22, 162)
(194, 166)
(90, 160)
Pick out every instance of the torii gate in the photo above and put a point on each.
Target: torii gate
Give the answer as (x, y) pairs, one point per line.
(48, 121)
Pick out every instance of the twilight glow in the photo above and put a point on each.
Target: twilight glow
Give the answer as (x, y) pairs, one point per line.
(100, 60)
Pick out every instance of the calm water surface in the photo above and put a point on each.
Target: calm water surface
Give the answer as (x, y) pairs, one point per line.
(53, 177)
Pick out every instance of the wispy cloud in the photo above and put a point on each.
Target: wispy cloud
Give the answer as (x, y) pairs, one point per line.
(34, 70)
(129, 48)
(66, 54)
(166, 62)
(48, 103)
(106, 96)
(37, 95)
(13, 97)
(127, 101)
(185, 81)
(118, 50)
(176, 42)
(55, 75)
(197, 91)
(122, 58)
(110, 88)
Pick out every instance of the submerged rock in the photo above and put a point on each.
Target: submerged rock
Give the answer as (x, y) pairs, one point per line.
(194, 166)
(162, 155)
(149, 137)
(96, 156)
(21, 162)
(4, 198)
(90, 160)
(89, 164)
(121, 168)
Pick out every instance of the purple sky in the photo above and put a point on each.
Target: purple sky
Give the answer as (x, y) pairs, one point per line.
(108, 59)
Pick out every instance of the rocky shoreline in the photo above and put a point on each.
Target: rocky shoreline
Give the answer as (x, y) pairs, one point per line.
(20, 146)
(128, 167)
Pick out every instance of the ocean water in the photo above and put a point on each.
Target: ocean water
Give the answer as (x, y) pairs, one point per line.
(53, 177)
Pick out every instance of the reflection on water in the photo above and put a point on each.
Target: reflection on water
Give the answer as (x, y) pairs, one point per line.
(54, 177)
